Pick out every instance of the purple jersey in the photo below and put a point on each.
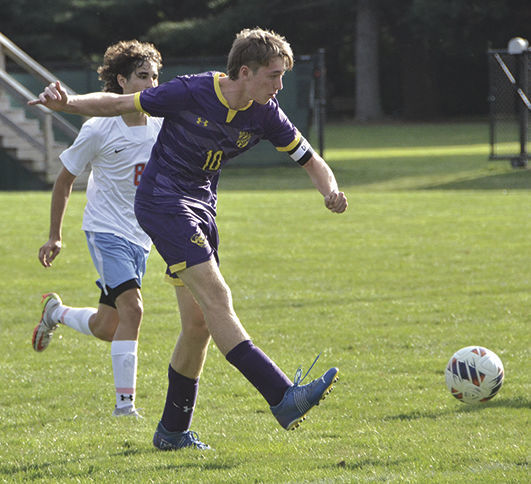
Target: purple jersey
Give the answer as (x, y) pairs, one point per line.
(201, 133)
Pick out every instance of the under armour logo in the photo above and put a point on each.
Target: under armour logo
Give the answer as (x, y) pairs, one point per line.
(185, 409)
(126, 397)
(202, 121)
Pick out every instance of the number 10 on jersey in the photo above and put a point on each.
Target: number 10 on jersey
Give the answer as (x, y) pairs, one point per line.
(213, 160)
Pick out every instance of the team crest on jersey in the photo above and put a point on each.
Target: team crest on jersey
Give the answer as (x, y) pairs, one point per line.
(243, 139)
(198, 239)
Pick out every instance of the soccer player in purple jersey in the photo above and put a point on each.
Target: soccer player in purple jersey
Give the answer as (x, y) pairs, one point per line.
(208, 119)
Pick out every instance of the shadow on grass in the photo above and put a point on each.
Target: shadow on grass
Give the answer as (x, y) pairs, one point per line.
(515, 180)
(203, 465)
(519, 402)
(363, 463)
(464, 408)
(437, 174)
(129, 451)
(35, 470)
(394, 174)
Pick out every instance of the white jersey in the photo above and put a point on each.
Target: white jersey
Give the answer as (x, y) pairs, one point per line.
(118, 154)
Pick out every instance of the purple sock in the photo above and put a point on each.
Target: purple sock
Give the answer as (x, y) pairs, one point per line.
(258, 368)
(180, 402)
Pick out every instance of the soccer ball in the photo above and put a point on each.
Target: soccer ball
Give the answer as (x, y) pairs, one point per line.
(474, 374)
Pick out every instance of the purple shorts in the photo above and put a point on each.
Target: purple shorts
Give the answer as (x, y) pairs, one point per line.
(184, 236)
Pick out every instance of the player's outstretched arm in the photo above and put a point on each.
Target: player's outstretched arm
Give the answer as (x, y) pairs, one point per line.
(60, 196)
(103, 104)
(324, 180)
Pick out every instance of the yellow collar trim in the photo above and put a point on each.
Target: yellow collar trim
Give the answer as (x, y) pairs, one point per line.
(231, 112)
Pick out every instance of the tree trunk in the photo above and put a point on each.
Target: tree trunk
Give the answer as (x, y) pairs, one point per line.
(368, 103)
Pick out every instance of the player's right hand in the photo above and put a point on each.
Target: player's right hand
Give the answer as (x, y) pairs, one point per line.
(54, 97)
(49, 251)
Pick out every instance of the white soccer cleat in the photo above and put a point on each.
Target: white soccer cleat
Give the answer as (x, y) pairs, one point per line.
(129, 411)
(43, 332)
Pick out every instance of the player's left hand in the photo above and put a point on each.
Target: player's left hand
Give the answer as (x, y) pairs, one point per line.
(336, 202)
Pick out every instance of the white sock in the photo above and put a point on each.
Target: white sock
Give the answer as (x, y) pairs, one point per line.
(76, 318)
(124, 365)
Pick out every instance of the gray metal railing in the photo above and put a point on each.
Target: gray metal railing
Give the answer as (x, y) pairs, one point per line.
(49, 118)
(9, 49)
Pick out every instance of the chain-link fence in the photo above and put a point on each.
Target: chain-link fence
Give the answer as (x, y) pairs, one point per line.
(509, 88)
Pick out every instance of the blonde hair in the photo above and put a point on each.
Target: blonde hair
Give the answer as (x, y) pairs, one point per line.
(123, 58)
(256, 47)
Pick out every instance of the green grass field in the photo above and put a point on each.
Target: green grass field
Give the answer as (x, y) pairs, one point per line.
(432, 255)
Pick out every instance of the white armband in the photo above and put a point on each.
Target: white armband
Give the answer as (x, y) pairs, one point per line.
(302, 151)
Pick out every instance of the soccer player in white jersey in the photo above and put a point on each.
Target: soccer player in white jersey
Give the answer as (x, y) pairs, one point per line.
(117, 148)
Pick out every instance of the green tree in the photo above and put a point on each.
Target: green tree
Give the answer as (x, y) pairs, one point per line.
(436, 51)
(430, 58)
(80, 30)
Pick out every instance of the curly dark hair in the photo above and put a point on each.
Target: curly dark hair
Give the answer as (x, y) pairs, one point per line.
(123, 58)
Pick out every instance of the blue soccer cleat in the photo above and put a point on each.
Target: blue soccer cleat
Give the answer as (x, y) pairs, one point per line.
(298, 400)
(166, 440)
